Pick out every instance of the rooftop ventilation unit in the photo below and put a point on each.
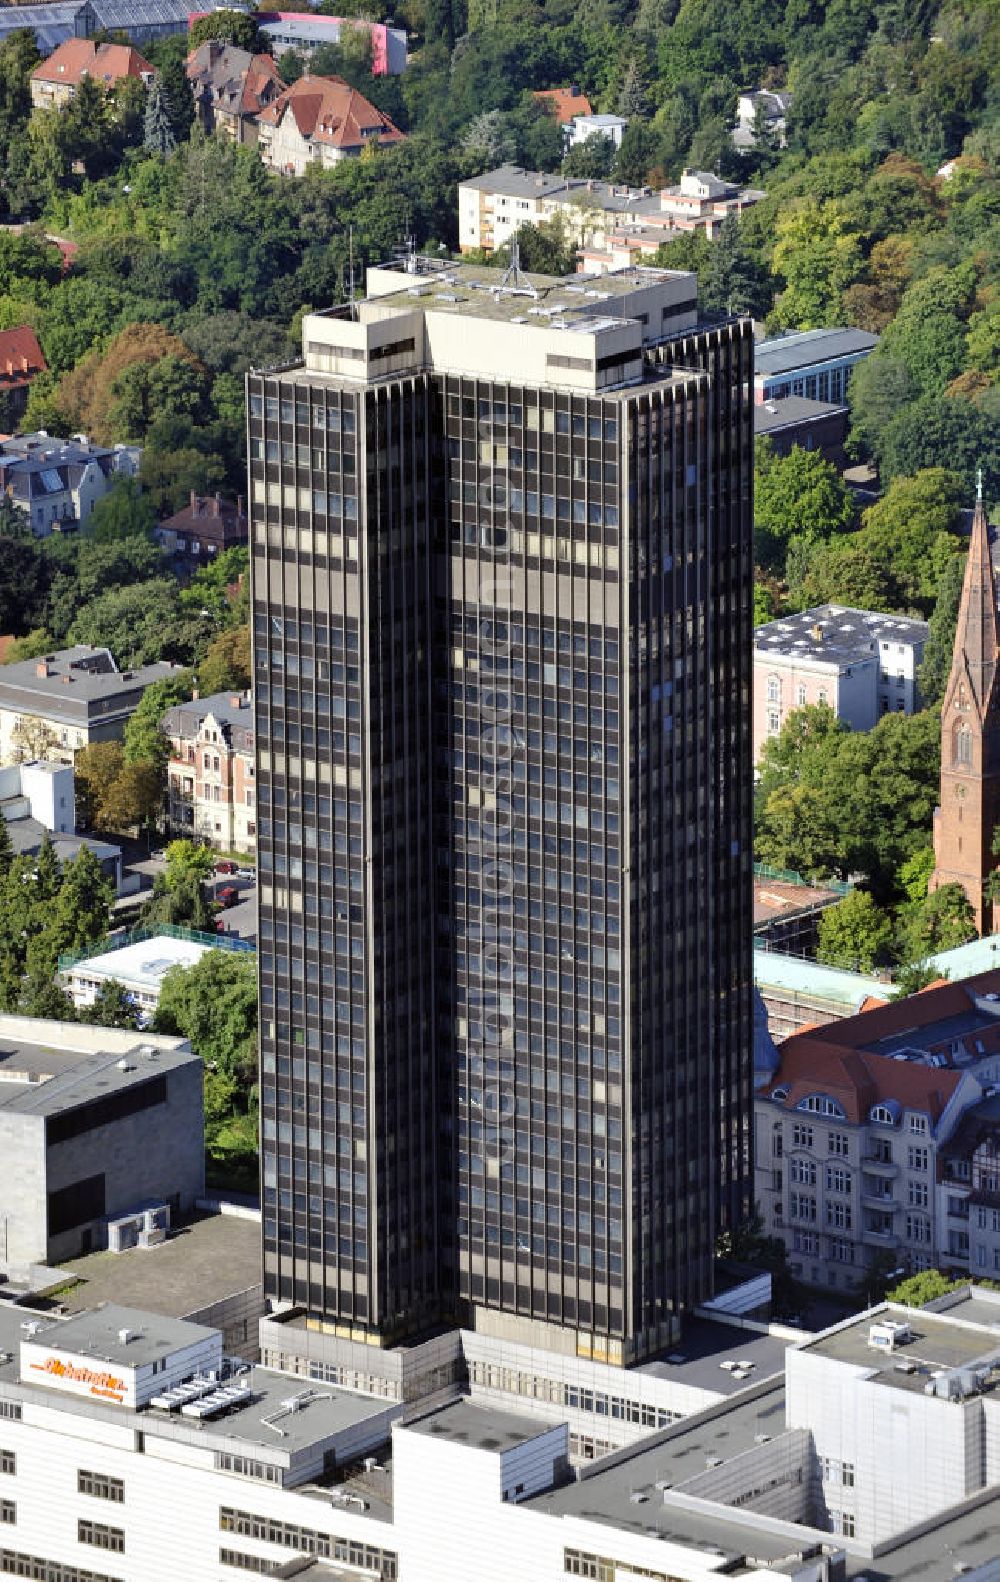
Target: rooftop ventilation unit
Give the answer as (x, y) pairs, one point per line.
(886, 1335)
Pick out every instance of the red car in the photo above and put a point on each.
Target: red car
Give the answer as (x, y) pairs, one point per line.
(225, 867)
(228, 895)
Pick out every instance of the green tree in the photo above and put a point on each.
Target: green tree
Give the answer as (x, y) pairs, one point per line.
(928, 333)
(158, 134)
(124, 512)
(114, 794)
(913, 976)
(957, 435)
(145, 742)
(818, 254)
(879, 390)
(140, 624)
(178, 100)
(800, 492)
(855, 933)
(187, 857)
(915, 874)
(226, 665)
(941, 921)
(214, 1004)
(935, 667)
(919, 1289)
(735, 281)
(113, 1006)
(230, 27)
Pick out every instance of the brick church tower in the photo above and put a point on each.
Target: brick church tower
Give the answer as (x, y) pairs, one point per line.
(970, 735)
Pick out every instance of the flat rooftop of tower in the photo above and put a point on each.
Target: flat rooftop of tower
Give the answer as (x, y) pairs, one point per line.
(937, 1344)
(499, 294)
(480, 1427)
(705, 1355)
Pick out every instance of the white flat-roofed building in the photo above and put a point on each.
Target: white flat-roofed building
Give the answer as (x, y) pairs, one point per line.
(862, 663)
(94, 1121)
(584, 126)
(140, 967)
(132, 1435)
(816, 364)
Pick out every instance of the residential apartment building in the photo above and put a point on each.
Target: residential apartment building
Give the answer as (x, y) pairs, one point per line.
(55, 81)
(51, 707)
(211, 778)
(203, 527)
(58, 483)
(587, 125)
(761, 109)
(861, 663)
(93, 1122)
(492, 527)
(565, 104)
(492, 207)
(875, 1135)
(320, 120)
(231, 87)
(816, 364)
(20, 360)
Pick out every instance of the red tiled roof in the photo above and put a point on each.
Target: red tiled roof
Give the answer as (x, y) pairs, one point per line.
(858, 1079)
(261, 73)
(566, 102)
(842, 1058)
(328, 110)
(77, 58)
(20, 357)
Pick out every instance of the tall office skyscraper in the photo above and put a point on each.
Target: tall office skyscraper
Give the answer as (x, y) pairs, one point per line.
(502, 617)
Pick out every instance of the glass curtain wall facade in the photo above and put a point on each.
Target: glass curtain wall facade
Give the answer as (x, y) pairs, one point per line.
(502, 642)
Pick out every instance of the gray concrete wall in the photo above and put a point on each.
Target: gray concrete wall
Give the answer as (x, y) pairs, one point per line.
(238, 1316)
(153, 1154)
(776, 1479)
(22, 1190)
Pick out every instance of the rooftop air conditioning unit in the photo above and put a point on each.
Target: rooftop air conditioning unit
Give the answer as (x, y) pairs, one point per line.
(887, 1335)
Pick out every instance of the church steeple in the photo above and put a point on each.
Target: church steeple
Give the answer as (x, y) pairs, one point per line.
(977, 635)
(970, 732)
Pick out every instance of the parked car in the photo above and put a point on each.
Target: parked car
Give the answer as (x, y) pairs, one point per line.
(225, 866)
(228, 895)
(249, 874)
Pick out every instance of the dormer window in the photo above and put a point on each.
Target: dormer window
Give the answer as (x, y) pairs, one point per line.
(820, 1104)
(882, 1115)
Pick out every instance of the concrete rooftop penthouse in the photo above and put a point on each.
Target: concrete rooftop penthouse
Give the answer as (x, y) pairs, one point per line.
(582, 333)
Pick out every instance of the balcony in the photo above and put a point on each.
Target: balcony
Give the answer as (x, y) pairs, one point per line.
(874, 1195)
(879, 1238)
(881, 1167)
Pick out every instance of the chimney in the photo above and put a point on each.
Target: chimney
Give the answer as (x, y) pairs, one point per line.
(217, 505)
(194, 503)
(236, 701)
(42, 669)
(194, 694)
(240, 505)
(816, 633)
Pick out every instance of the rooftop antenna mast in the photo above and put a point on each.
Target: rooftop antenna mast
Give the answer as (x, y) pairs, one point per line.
(514, 279)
